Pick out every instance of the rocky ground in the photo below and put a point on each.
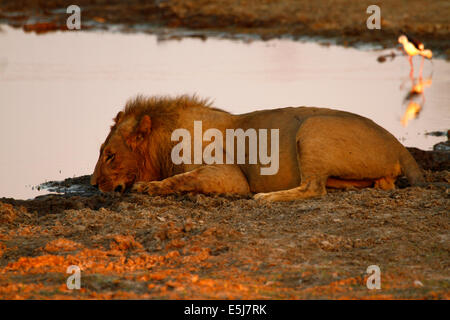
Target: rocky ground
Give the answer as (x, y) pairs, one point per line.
(217, 247)
(339, 21)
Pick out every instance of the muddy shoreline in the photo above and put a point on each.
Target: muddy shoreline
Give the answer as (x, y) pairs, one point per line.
(342, 22)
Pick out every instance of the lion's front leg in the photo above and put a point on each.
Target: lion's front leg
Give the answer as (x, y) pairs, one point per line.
(217, 179)
(150, 187)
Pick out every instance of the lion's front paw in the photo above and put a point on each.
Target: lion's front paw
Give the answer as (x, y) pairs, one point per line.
(263, 197)
(151, 188)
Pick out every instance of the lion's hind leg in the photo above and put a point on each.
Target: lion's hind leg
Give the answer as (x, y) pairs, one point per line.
(385, 183)
(337, 183)
(309, 188)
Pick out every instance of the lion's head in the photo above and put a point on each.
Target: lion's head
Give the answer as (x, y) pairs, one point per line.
(138, 146)
(123, 157)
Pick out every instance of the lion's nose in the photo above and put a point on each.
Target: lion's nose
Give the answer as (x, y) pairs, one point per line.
(119, 188)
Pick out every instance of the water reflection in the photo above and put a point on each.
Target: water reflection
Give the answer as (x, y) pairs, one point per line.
(59, 91)
(412, 112)
(415, 99)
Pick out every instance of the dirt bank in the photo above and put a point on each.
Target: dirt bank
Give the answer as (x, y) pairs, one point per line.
(340, 20)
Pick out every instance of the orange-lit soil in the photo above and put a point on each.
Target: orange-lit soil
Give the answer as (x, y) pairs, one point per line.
(194, 246)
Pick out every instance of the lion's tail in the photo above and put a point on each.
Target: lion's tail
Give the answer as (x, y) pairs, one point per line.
(410, 168)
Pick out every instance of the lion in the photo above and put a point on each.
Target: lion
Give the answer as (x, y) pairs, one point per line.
(318, 148)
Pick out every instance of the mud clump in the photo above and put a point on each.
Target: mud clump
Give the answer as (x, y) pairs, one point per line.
(436, 160)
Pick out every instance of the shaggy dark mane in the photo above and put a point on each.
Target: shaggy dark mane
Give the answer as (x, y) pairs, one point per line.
(164, 112)
(156, 105)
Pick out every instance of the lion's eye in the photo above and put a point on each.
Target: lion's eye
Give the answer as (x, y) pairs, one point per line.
(110, 157)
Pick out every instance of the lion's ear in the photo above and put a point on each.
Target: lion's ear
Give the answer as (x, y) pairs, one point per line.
(142, 131)
(145, 126)
(118, 117)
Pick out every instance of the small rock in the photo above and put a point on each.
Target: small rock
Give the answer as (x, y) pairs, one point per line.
(188, 225)
(418, 283)
(326, 243)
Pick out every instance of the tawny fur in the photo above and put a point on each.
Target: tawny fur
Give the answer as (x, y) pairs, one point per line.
(319, 148)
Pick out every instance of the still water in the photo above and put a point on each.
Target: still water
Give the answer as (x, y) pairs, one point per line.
(59, 91)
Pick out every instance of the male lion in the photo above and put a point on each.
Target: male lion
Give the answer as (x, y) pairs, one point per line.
(318, 148)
